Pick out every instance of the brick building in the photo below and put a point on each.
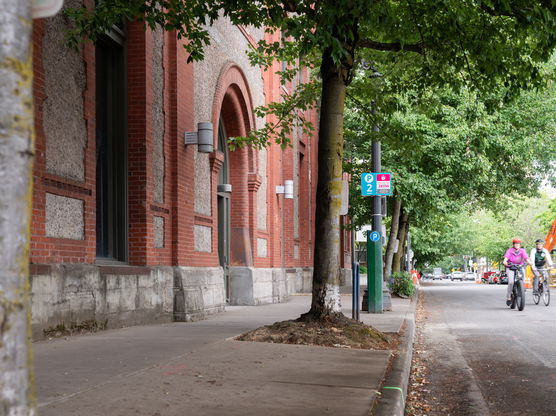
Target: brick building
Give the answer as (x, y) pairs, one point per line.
(130, 224)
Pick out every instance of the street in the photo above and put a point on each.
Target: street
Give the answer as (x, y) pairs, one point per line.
(481, 357)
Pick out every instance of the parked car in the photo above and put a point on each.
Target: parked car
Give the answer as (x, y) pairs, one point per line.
(493, 278)
(470, 276)
(437, 274)
(486, 276)
(498, 278)
(457, 276)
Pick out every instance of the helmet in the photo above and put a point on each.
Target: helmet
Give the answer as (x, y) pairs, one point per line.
(516, 240)
(539, 241)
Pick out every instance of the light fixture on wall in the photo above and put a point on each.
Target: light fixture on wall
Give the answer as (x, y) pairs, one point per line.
(286, 189)
(224, 188)
(202, 137)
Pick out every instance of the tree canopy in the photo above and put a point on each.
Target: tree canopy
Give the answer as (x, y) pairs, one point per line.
(547, 217)
(451, 149)
(479, 233)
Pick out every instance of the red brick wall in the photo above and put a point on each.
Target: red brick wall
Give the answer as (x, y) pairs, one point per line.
(183, 169)
(232, 92)
(139, 143)
(59, 250)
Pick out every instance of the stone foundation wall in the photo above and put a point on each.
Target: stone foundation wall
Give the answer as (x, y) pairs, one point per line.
(257, 286)
(198, 292)
(109, 297)
(117, 296)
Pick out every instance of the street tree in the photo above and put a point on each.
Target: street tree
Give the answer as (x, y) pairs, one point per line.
(547, 217)
(16, 156)
(479, 232)
(498, 42)
(452, 148)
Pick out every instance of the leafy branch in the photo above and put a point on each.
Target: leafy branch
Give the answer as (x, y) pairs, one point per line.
(282, 117)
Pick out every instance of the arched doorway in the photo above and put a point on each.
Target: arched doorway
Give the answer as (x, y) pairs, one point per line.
(233, 114)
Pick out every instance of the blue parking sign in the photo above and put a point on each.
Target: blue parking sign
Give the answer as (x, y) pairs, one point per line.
(374, 236)
(374, 184)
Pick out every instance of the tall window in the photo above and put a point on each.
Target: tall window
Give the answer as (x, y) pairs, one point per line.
(111, 146)
(223, 147)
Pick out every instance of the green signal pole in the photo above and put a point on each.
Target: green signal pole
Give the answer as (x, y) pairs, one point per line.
(374, 272)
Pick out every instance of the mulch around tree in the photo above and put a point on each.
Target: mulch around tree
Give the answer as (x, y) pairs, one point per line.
(338, 332)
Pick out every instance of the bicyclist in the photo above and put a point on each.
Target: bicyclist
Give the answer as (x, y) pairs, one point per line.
(540, 258)
(515, 255)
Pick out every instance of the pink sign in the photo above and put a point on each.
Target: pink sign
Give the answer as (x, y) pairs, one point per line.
(383, 183)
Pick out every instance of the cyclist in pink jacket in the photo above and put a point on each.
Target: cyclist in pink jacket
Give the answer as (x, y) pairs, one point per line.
(515, 255)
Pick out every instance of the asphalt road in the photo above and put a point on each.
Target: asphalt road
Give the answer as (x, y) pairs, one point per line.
(485, 358)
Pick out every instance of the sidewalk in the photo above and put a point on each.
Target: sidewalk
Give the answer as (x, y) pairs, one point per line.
(196, 369)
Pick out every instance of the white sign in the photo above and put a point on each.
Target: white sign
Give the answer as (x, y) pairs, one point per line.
(361, 235)
(45, 8)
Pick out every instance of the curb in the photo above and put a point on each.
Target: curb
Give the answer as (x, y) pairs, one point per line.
(393, 392)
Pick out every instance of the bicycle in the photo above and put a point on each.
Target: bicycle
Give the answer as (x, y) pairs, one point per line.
(518, 291)
(543, 288)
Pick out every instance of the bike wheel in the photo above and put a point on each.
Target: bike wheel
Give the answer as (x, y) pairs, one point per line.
(520, 296)
(537, 296)
(545, 293)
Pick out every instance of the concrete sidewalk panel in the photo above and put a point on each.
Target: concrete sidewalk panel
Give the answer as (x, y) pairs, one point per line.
(240, 378)
(66, 366)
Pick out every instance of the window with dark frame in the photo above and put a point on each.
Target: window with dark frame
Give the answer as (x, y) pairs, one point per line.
(111, 147)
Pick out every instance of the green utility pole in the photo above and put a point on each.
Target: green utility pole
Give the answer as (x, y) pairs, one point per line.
(374, 272)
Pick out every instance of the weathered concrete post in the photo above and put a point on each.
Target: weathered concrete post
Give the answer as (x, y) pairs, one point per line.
(16, 158)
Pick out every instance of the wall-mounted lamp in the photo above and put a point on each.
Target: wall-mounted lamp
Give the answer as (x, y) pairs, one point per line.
(286, 189)
(202, 138)
(224, 187)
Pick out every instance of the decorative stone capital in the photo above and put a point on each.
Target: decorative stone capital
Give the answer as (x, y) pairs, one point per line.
(254, 181)
(216, 160)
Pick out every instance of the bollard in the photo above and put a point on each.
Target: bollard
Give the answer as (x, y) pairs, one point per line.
(355, 292)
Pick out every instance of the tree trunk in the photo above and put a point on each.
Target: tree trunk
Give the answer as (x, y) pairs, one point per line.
(402, 233)
(16, 150)
(326, 273)
(394, 227)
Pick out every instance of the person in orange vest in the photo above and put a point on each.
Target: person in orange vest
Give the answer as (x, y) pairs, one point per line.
(415, 277)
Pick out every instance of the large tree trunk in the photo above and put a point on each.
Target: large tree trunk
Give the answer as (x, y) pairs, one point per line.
(402, 233)
(16, 149)
(326, 274)
(389, 256)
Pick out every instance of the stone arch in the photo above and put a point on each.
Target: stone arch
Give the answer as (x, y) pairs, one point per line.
(232, 85)
(234, 105)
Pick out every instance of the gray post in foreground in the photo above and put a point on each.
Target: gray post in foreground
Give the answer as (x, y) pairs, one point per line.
(16, 158)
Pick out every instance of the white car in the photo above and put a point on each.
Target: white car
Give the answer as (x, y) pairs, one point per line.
(470, 276)
(457, 276)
